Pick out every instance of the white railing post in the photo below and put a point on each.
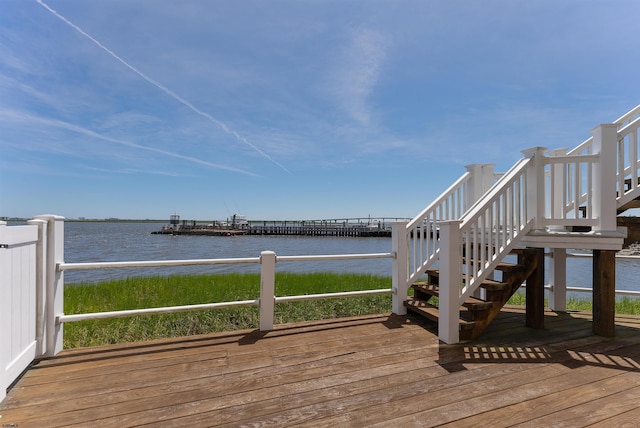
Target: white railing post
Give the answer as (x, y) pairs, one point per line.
(267, 289)
(54, 296)
(535, 196)
(41, 283)
(558, 280)
(482, 177)
(605, 143)
(5, 333)
(400, 266)
(450, 281)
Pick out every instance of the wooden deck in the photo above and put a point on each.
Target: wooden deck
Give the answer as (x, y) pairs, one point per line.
(372, 370)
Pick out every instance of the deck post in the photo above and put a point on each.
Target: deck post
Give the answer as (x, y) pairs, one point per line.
(604, 293)
(535, 198)
(558, 280)
(400, 267)
(450, 282)
(267, 289)
(534, 316)
(54, 296)
(605, 143)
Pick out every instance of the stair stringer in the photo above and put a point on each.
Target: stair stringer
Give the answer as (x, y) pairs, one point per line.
(499, 298)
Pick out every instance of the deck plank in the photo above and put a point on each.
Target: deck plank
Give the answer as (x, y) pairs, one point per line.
(362, 371)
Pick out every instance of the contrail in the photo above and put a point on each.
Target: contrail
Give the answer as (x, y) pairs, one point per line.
(80, 130)
(163, 88)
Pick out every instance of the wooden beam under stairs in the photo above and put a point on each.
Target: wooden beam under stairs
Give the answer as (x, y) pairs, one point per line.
(475, 313)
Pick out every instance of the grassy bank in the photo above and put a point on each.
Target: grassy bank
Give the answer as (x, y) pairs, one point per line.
(135, 293)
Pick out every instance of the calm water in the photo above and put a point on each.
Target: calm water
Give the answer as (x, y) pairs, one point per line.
(96, 242)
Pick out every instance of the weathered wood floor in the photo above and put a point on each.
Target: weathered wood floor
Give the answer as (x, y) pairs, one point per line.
(365, 371)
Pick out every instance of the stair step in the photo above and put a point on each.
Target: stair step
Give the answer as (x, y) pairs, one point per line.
(472, 303)
(504, 266)
(487, 284)
(431, 312)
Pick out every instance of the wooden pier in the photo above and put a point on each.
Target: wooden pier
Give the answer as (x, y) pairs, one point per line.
(321, 228)
(348, 227)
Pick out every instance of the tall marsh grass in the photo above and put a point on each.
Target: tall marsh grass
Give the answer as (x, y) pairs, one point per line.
(149, 292)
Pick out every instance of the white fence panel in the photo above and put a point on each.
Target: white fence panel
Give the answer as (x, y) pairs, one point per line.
(18, 343)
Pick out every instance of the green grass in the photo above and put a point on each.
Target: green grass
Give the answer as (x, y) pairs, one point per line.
(624, 305)
(149, 292)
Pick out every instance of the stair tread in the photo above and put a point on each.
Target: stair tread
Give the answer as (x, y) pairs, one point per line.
(486, 283)
(431, 312)
(471, 303)
(503, 266)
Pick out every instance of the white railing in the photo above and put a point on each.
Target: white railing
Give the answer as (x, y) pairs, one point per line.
(422, 232)
(484, 236)
(265, 301)
(569, 199)
(489, 231)
(627, 184)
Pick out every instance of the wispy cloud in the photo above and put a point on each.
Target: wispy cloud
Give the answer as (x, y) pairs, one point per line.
(359, 71)
(163, 88)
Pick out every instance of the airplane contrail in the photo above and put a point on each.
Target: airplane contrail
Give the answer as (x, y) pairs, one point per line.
(163, 88)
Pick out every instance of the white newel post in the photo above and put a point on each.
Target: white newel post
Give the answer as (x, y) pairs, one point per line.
(535, 186)
(482, 176)
(267, 289)
(54, 296)
(558, 280)
(450, 281)
(41, 283)
(605, 143)
(400, 267)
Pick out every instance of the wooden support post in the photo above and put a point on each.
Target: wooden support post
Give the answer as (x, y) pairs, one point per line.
(604, 292)
(534, 317)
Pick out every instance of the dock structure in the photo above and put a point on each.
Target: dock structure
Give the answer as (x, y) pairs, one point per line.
(351, 227)
(347, 227)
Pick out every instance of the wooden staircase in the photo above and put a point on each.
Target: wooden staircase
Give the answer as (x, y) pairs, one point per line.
(476, 314)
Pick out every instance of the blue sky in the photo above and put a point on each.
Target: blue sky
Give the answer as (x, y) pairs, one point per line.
(290, 109)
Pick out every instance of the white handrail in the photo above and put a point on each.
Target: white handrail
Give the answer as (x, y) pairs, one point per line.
(153, 263)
